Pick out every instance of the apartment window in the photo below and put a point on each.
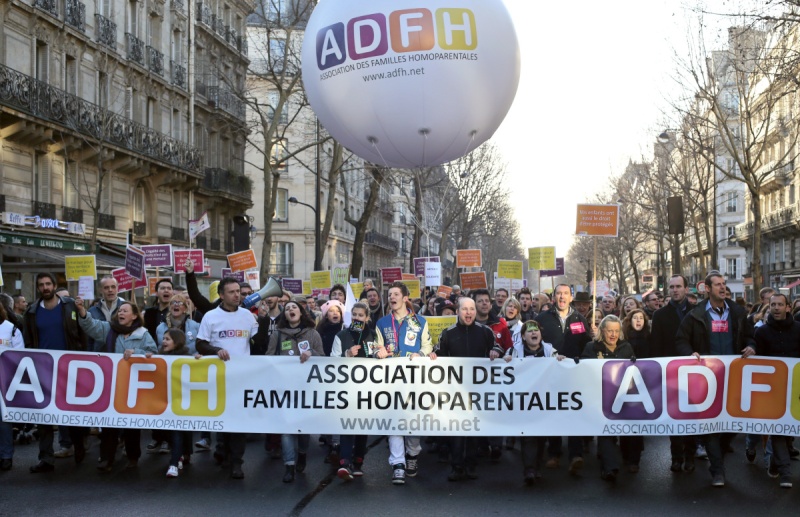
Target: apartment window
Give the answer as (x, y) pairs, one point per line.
(791, 194)
(732, 268)
(282, 259)
(176, 129)
(274, 98)
(176, 209)
(176, 48)
(139, 204)
(731, 231)
(732, 202)
(102, 89)
(71, 186)
(41, 177)
(154, 32)
(104, 8)
(133, 18)
(42, 65)
(71, 75)
(277, 52)
(150, 113)
(279, 153)
(281, 206)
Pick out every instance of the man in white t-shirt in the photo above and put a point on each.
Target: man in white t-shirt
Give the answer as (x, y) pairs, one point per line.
(227, 332)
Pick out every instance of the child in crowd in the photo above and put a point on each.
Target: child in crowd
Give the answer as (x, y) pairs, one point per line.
(358, 340)
(10, 337)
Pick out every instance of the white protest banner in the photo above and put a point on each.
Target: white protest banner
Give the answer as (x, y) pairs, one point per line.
(198, 226)
(86, 288)
(433, 274)
(331, 395)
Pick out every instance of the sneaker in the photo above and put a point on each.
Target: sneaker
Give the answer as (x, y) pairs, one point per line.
(750, 454)
(457, 474)
(701, 453)
(164, 449)
(552, 463)
(786, 482)
(412, 466)
(172, 472)
(398, 474)
(718, 480)
(530, 477)
(358, 465)
(203, 444)
(676, 466)
(66, 452)
(345, 472)
(772, 471)
(153, 447)
(576, 465)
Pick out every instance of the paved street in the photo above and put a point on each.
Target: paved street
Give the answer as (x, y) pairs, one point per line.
(205, 489)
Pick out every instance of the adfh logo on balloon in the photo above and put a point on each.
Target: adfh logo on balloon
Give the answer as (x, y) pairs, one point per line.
(407, 86)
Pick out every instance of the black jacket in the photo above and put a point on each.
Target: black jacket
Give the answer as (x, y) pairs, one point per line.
(76, 339)
(567, 343)
(778, 338)
(693, 331)
(666, 321)
(597, 350)
(153, 317)
(640, 341)
(461, 340)
(351, 338)
(200, 302)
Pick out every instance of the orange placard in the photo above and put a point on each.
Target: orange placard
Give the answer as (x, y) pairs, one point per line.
(444, 291)
(598, 220)
(152, 281)
(242, 261)
(474, 280)
(409, 276)
(469, 258)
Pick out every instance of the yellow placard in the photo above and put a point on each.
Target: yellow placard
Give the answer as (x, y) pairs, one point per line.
(321, 280)
(357, 288)
(509, 269)
(437, 324)
(542, 259)
(413, 288)
(306, 288)
(80, 265)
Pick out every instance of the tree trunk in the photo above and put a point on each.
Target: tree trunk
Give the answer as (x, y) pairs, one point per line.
(755, 263)
(97, 200)
(415, 243)
(635, 270)
(271, 179)
(362, 223)
(330, 207)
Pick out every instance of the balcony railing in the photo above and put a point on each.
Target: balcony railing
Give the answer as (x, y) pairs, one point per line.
(282, 270)
(73, 215)
(106, 221)
(75, 14)
(49, 6)
(225, 100)
(178, 74)
(33, 97)
(200, 88)
(216, 245)
(44, 210)
(178, 234)
(203, 14)
(241, 44)
(381, 241)
(106, 31)
(231, 35)
(223, 180)
(139, 229)
(155, 60)
(135, 48)
(177, 6)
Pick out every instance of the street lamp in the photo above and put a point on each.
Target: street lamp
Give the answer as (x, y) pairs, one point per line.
(317, 258)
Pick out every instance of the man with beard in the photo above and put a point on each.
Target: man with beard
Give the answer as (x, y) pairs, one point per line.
(376, 310)
(155, 315)
(51, 323)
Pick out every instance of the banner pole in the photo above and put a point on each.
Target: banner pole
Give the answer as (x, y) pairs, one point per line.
(594, 275)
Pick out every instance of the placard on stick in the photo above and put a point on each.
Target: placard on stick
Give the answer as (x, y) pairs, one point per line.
(542, 258)
(180, 256)
(242, 260)
(80, 265)
(474, 280)
(597, 221)
(509, 269)
(469, 258)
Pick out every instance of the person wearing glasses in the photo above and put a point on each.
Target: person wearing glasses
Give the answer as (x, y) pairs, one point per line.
(178, 318)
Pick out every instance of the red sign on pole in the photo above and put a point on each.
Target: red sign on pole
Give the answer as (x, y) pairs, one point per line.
(391, 274)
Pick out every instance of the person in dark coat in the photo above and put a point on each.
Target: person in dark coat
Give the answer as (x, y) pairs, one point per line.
(716, 327)
(636, 327)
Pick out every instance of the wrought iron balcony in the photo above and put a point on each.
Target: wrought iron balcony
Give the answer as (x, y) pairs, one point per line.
(223, 180)
(241, 44)
(75, 14)
(135, 48)
(38, 99)
(216, 245)
(231, 35)
(375, 238)
(200, 242)
(139, 229)
(178, 74)
(106, 221)
(73, 215)
(49, 6)
(106, 31)
(200, 88)
(226, 100)
(177, 5)
(203, 14)
(178, 234)
(155, 60)
(44, 210)
(218, 25)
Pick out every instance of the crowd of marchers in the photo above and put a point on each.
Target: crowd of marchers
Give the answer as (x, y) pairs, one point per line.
(181, 321)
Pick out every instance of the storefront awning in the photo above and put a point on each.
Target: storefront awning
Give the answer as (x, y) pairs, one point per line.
(48, 259)
(793, 284)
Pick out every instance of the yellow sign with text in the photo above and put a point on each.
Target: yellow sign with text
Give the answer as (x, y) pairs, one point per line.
(306, 288)
(542, 259)
(321, 280)
(437, 324)
(509, 269)
(413, 288)
(357, 288)
(80, 265)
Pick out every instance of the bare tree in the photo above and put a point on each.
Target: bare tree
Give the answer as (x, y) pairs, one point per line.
(377, 176)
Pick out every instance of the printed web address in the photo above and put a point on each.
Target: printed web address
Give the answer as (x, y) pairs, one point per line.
(418, 423)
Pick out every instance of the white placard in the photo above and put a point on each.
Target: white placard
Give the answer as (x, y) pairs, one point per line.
(433, 274)
(86, 287)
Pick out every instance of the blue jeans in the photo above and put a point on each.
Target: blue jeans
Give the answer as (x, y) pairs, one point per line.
(293, 444)
(6, 440)
(181, 446)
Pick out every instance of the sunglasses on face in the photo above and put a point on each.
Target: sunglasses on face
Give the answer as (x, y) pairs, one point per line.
(531, 326)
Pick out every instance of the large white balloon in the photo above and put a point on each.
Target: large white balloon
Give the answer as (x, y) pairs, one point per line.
(406, 83)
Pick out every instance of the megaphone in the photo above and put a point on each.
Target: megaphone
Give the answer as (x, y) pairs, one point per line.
(273, 288)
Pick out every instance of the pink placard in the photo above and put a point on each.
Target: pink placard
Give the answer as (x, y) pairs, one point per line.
(180, 256)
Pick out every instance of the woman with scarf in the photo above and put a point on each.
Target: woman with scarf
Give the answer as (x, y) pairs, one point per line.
(178, 319)
(294, 335)
(124, 334)
(331, 323)
(511, 311)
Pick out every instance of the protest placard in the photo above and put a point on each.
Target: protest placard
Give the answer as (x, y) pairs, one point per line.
(80, 265)
(340, 274)
(558, 271)
(321, 280)
(433, 274)
(86, 288)
(238, 275)
(134, 262)
(306, 288)
(157, 255)
(253, 277)
(358, 288)
(125, 281)
(419, 264)
(597, 220)
(293, 285)
(444, 291)
(437, 324)
(242, 260)
(469, 258)
(391, 274)
(413, 288)
(542, 258)
(509, 269)
(179, 259)
(474, 280)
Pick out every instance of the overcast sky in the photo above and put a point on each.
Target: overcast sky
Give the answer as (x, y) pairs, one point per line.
(595, 76)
